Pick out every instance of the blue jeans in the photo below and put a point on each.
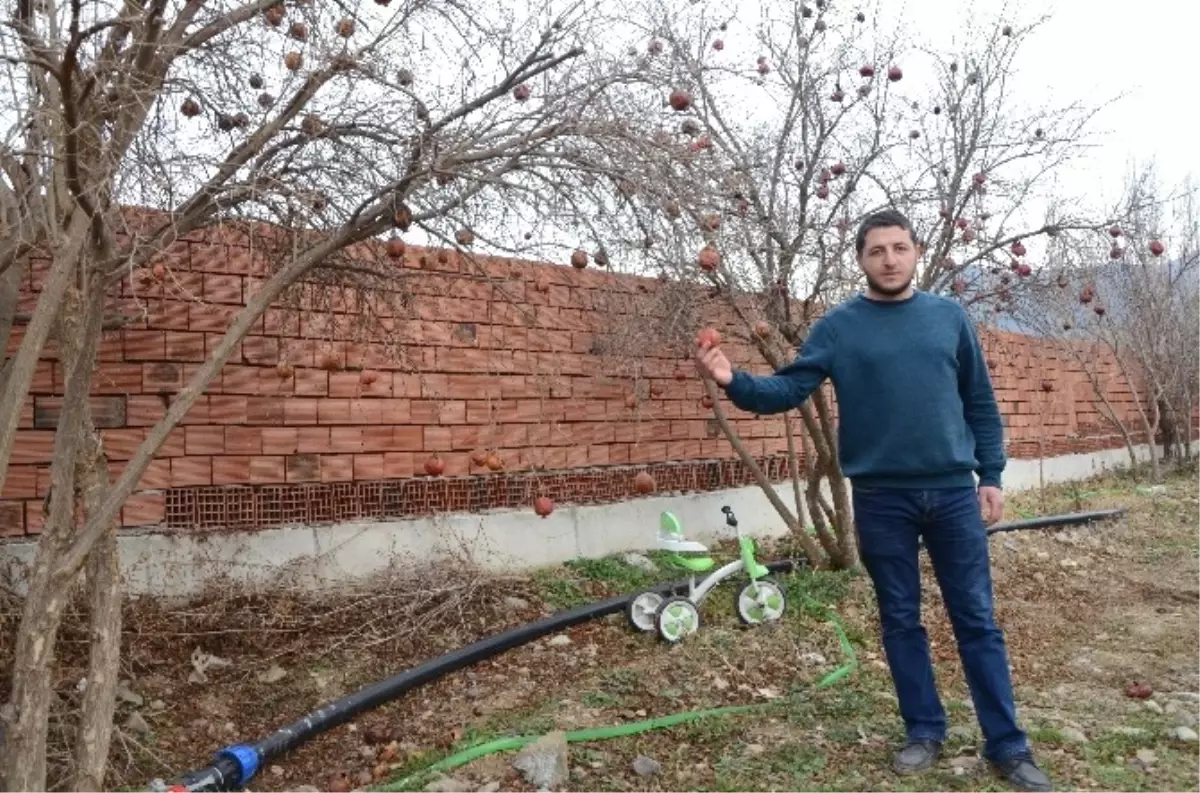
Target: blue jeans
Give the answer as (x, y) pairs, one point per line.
(890, 522)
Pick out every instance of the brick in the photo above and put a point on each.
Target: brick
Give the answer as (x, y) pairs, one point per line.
(267, 470)
(260, 350)
(144, 510)
(423, 411)
(34, 519)
(333, 411)
(337, 467)
(452, 412)
(227, 409)
(162, 377)
(437, 439)
(223, 289)
(210, 257)
(238, 379)
(143, 411)
(466, 437)
(12, 518)
(111, 347)
(577, 456)
(204, 440)
(280, 440)
(106, 412)
(346, 439)
(395, 411)
(20, 482)
(366, 411)
(408, 438)
(312, 439)
(405, 384)
(311, 382)
(210, 317)
(397, 465)
(184, 346)
(368, 466)
(279, 322)
(191, 471)
(297, 410)
(157, 475)
(167, 314)
(303, 467)
(31, 447)
(185, 284)
(265, 410)
(345, 384)
(231, 470)
(243, 440)
(116, 378)
(145, 345)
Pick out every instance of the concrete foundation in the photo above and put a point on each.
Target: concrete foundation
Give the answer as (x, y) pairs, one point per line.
(326, 557)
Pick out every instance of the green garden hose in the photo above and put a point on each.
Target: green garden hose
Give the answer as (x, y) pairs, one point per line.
(473, 753)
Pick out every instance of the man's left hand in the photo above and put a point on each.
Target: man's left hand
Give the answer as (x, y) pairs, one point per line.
(991, 503)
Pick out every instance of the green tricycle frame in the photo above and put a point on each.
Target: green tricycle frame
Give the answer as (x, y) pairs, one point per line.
(761, 600)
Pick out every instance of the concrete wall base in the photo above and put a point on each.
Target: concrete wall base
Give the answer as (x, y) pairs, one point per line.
(328, 557)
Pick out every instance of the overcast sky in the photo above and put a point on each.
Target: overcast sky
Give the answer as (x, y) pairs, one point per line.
(1143, 52)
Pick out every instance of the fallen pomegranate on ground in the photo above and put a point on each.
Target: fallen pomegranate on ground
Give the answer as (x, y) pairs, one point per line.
(1138, 690)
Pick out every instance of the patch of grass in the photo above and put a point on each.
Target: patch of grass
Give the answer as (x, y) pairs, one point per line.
(599, 699)
(1117, 746)
(787, 767)
(620, 682)
(826, 587)
(534, 720)
(717, 730)
(583, 580)
(614, 571)
(557, 590)
(1044, 734)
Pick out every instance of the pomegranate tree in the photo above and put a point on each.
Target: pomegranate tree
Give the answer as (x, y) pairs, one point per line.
(174, 98)
(749, 219)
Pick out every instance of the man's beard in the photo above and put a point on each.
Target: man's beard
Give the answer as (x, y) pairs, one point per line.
(890, 291)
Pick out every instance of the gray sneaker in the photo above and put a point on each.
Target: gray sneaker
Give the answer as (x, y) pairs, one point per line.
(1022, 773)
(916, 756)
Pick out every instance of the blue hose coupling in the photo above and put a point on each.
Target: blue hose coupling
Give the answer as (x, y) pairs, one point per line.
(247, 762)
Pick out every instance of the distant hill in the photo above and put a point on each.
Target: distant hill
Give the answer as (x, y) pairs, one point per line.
(1113, 281)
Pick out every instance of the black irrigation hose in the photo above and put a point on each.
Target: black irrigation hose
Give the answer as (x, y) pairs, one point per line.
(1055, 521)
(236, 765)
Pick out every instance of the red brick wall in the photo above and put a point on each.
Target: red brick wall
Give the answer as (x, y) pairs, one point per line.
(502, 363)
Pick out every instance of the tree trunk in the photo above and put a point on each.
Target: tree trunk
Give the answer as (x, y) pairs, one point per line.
(810, 548)
(832, 520)
(794, 471)
(104, 599)
(23, 756)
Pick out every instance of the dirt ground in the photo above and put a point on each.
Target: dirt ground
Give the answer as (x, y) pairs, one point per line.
(1087, 612)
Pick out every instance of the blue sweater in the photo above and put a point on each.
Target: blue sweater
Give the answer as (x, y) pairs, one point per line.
(915, 402)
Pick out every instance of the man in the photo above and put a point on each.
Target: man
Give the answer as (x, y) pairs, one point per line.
(917, 422)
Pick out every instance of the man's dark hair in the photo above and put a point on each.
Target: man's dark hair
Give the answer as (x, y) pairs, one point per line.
(888, 218)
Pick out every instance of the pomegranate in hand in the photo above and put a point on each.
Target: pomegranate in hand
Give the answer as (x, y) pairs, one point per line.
(710, 361)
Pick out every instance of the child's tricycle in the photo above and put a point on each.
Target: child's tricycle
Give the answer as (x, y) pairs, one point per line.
(674, 618)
